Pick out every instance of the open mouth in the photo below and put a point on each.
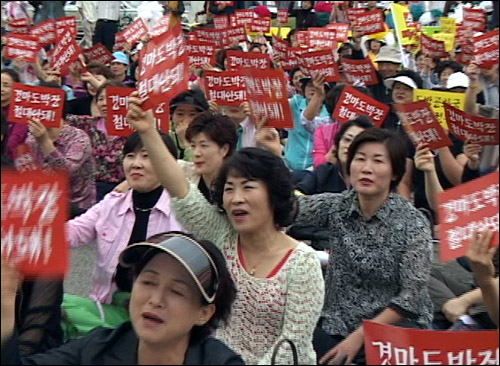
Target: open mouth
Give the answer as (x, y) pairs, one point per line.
(152, 319)
(239, 214)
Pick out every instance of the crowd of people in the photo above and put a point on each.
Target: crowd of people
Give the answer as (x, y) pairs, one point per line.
(218, 241)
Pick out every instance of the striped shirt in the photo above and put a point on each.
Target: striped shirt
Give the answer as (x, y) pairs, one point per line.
(109, 10)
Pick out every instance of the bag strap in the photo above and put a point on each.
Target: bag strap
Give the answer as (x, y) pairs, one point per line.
(278, 347)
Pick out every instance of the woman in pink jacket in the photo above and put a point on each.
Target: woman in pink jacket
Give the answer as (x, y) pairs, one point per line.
(122, 219)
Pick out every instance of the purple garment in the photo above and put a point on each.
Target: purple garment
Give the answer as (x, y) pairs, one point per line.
(74, 154)
(17, 134)
(79, 89)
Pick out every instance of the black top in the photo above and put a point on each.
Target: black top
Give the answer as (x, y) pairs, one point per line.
(305, 19)
(205, 191)
(81, 106)
(116, 347)
(143, 205)
(38, 316)
(326, 179)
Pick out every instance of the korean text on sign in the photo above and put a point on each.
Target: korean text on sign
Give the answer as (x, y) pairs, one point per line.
(322, 38)
(486, 53)
(46, 32)
(371, 22)
(268, 97)
(353, 103)
(226, 88)
(164, 67)
(65, 53)
(472, 129)
(36, 102)
(464, 209)
(99, 54)
(248, 60)
(320, 63)
(360, 72)
(437, 100)
(22, 47)
(34, 214)
(201, 53)
(389, 345)
(135, 32)
(341, 30)
(422, 126)
(433, 48)
(117, 108)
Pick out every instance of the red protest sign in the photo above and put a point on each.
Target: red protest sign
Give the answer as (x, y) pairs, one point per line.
(302, 38)
(433, 48)
(20, 26)
(354, 13)
(292, 57)
(359, 71)
(69, 23)
(422, 125)
(280, 47)
(341, 29)
(283, 16)
(221, 22)
(472, 129)
(261, 25)
(390, 345)
(248, 60)
(162, 26)
(475, 19)
(267, 94)
(99, 54)
(209, 35)
(353, 103)
(120, 43)
(320, 62)
(467, 208)
(245, 17)
(164, 67)
(201, 53)
(22, 47)
(65, 53)
(322, 38)
(232, 35)
(46, 32)
(34, 214)
(45, 104)
(371, 22)
(486, 50)
(135, 32)
(226, 87)
(117, 109)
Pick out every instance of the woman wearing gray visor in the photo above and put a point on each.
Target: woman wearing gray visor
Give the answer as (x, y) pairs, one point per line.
(182, 292)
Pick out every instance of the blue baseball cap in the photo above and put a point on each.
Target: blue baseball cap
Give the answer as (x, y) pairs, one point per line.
(121, 57)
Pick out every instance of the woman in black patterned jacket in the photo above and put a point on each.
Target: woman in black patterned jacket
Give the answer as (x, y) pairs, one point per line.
(381, 249)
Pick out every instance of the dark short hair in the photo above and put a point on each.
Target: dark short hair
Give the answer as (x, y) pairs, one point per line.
(100, 69)
(437, 61)
(104, 85)
(53, 85)
(14, 75)
(333, 96)
(226, 290)
(263, 166)
(455, 66)
(134, 144)
(395, 145)
(362, 121)
(194, 96)
(290, 35)
(5, 133)
(221, 56)
(218, 128)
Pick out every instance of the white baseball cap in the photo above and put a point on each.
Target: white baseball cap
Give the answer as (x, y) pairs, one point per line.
(389, 83)
(458, 80)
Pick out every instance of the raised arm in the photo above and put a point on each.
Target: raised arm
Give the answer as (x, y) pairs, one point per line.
(165, 165)
(424, 161)
(314, 107)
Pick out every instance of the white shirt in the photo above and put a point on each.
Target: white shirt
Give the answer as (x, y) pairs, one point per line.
(88, 10)
(109, 10)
